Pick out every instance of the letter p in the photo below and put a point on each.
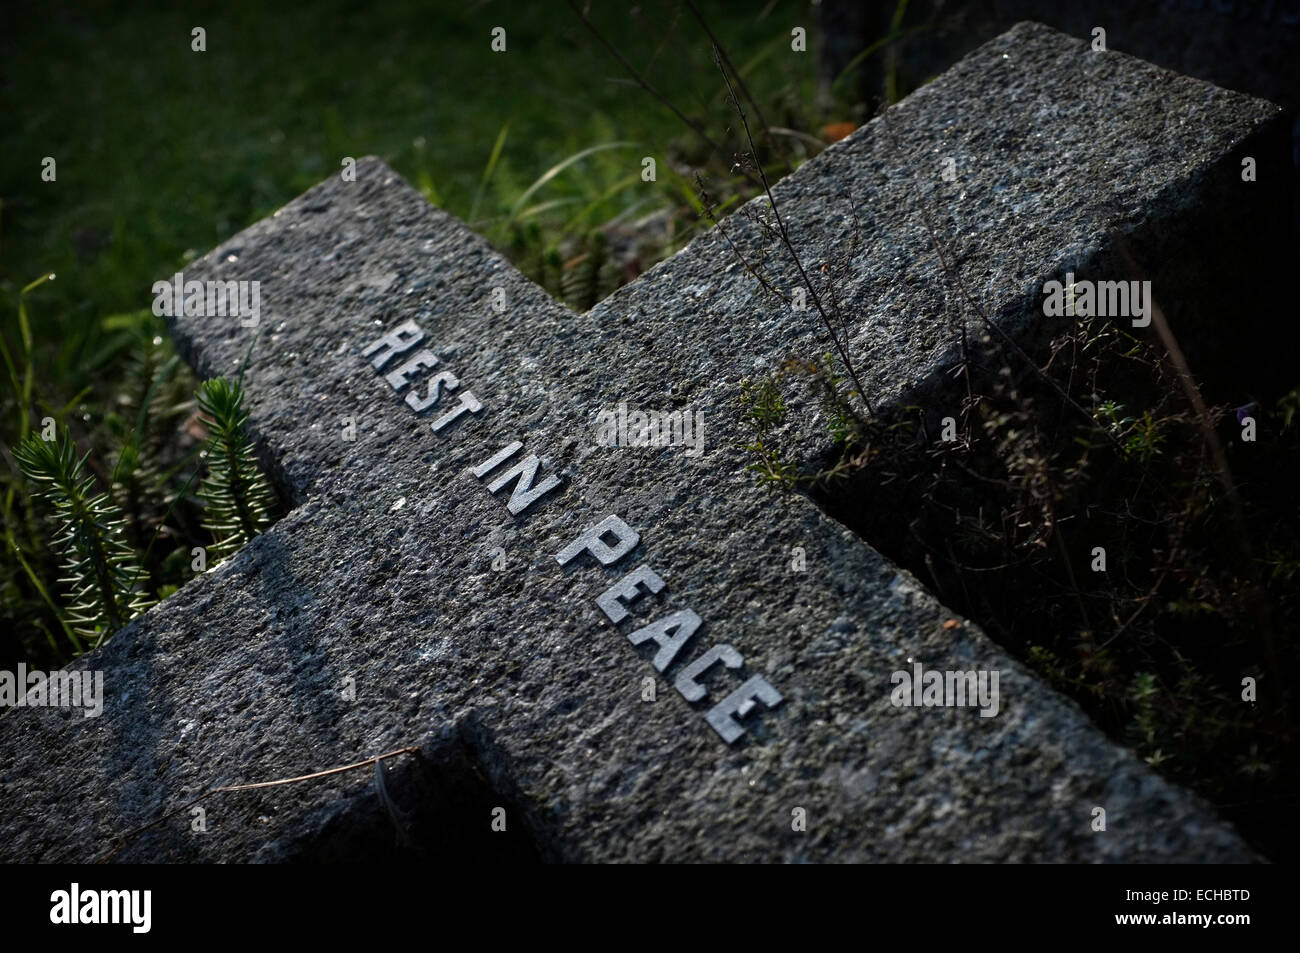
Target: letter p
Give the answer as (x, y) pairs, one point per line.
(592, 540)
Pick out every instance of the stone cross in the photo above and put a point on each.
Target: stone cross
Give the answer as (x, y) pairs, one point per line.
(613, 653)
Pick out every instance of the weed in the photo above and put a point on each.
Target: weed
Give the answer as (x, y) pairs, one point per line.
(98, 563)
(237, 498)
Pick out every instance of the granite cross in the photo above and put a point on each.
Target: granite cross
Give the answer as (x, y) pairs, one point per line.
(617, 641)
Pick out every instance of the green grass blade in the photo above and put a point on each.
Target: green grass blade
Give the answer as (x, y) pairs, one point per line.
(541, 207)
(25, 330)
(559, 167)
(885, 40)
(605, 196)
(487, 172)
(45, 595)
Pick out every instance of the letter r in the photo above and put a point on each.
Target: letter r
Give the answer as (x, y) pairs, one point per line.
(397, 341)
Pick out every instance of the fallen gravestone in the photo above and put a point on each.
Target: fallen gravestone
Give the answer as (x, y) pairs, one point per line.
(613, 653)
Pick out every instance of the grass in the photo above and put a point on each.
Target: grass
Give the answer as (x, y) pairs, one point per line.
(163, 152)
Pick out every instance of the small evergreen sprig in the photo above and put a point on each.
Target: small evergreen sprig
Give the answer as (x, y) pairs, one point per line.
(236, 495)
(100, 566)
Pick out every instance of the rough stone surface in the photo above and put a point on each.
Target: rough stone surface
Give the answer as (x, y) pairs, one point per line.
(382, 571)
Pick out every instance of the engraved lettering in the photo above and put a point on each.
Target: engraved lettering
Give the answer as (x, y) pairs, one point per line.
(592, 540)
(468, 402)
(397, 380)
(688, 679)
(397, 341)
(671, 633)
(524, 494)
(500, 457)
(723, 716)
(433, 393)
(629, 588)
